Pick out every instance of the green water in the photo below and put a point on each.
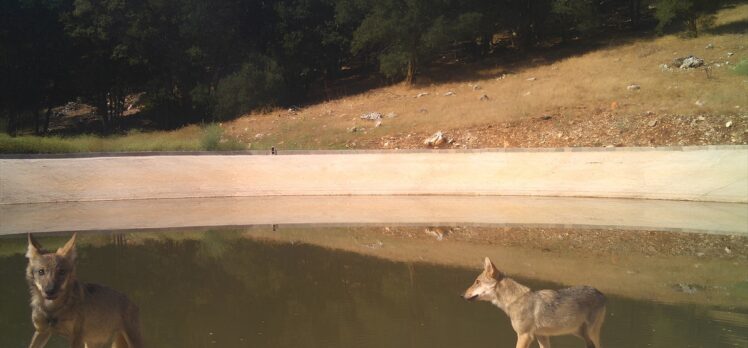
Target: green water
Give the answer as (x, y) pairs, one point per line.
(217, 290)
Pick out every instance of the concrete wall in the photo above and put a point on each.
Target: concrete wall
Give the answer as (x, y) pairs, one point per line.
(715, 173)
(608, 213)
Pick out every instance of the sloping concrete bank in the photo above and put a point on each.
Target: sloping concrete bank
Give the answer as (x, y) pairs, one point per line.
(498, 211)
(713, 173)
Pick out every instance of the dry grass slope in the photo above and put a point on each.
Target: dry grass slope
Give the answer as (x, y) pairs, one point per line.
(586, 96)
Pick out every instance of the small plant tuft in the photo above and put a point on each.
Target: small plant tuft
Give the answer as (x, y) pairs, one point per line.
(211, 138)
(741, 68)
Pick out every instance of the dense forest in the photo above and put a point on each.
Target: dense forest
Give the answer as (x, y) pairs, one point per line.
(209, 60)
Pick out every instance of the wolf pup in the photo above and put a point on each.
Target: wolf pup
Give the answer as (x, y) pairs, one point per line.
(540, 314)
(88, 315)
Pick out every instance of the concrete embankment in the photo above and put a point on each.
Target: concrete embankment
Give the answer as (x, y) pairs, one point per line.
(503, 211)
(711, 174)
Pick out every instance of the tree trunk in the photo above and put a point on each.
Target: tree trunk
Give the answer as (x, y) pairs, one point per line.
(525, 29)
(46, 119)
(692, 26)
(486, 44)
(115, 108)
(12, 128)
(634, 13)
(102, 111)
(410, 77)
(37, 123)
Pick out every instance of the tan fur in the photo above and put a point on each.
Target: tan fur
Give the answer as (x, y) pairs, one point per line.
(88, 315)
(540, 314)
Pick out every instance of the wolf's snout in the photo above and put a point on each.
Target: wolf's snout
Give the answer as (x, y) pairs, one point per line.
(50, 292)
(469, 298)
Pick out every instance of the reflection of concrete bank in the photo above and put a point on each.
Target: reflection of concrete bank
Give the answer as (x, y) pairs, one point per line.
(715, 173)
(721, 218)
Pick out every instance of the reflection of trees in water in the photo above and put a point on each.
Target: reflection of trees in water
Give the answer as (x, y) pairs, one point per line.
(118, 239)
(214, 244)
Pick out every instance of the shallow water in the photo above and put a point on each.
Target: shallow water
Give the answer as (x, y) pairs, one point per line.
(353, 287)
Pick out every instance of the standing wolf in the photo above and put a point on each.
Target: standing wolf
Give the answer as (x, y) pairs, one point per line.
(89, 315)
(540, 314)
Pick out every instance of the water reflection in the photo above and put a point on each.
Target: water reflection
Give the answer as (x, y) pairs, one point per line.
(238, 288)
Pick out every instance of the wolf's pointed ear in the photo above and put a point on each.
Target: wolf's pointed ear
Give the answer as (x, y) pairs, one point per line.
(34, 248)
(490, 269)
(68, 250)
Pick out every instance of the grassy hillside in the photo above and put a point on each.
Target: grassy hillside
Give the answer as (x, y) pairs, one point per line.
(192, 138)
(582, 96)
(577, 95)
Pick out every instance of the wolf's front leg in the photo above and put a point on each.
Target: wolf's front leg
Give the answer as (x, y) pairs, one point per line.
(77, 342)
(524, 340)
(544, 341)
(40, 339)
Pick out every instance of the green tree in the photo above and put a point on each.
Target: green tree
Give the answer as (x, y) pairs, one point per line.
(199, 43)
(691, 12)
(308, 42)
(527, 19)
(581, 14)
(111, 64)
(258, 83)
(34, 61)
(403, 32)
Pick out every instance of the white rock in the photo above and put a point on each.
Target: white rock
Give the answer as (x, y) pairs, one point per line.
(633, 87)
(709, 46)
(435, 140)
(373, 116)
(378, 123)
(728, 124)
(532, 79)
(483, 97)
(699, 103)
(449, 93)
(422, 94)
(689, 62)
(730, 54)
(438, 233)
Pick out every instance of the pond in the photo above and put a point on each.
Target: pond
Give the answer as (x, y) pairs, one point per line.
(394, 286)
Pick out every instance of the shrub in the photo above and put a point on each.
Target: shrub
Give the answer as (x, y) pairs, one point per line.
(741, 68)
(211, 138)
(259, 83)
